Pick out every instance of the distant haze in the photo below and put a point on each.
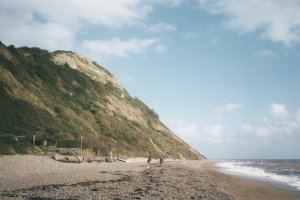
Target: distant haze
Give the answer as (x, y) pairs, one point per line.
(224, 75)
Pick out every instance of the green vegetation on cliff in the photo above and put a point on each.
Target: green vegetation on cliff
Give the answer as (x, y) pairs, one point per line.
(41, 97)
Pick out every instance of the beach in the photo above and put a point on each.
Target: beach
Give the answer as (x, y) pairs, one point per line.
(40, 177)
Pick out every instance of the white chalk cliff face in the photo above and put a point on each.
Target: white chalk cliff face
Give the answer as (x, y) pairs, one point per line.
(83, 64)
(98, 73)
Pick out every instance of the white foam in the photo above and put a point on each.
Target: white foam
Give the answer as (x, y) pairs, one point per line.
(237, 167)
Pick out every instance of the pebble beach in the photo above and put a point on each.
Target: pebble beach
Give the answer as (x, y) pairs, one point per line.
(41, 177)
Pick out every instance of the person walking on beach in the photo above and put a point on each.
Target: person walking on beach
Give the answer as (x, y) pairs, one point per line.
(149, 158)
(161, 160)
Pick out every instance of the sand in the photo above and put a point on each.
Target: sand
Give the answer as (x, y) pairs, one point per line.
(40, 177)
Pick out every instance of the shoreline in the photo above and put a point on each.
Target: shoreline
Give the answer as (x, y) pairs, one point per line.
(25, 177)
(242, 187)
(264, 181)
(272, 178)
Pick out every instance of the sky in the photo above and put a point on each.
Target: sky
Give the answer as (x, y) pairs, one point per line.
(223, 75)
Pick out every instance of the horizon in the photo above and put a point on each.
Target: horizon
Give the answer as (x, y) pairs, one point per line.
(224, 76)
(256, 159)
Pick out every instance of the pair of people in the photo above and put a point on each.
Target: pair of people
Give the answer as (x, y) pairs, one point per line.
(161, 159)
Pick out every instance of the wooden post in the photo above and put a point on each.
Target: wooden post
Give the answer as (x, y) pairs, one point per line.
(81, 137)
(33, 140)
(111, 157)
(98, 153)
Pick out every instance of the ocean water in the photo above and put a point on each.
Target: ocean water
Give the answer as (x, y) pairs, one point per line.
(284, 174)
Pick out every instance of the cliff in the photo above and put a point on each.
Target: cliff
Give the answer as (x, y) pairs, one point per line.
(63, 96)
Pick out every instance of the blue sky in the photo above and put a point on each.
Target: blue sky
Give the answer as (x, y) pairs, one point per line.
(223, 75)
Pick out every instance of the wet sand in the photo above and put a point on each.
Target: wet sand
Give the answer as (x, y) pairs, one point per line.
(38, 177)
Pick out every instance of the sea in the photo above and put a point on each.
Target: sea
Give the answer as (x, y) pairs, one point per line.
(284, 174)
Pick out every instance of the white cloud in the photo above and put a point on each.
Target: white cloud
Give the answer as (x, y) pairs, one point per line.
(215, 132)
(161, 27)
(183, 128)
(227, 108)
(55, 24)
(258, 130)
(278, 110)
(110, 13)
(117, 47)
(168, 2)
(278, 21)
(279, 131)
(282, 126)
(190, 131)
(247, 127)
(265, 53)
(298, 116)
(48, 36)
